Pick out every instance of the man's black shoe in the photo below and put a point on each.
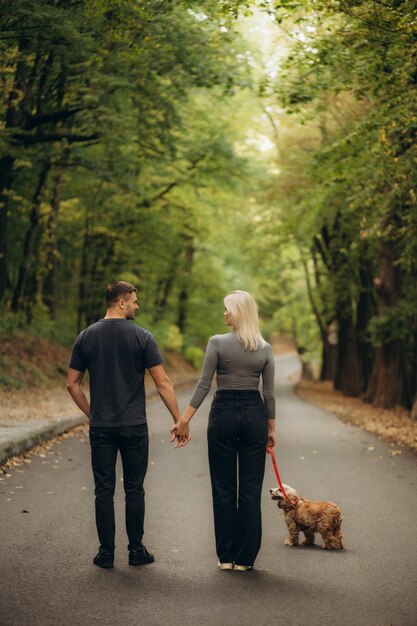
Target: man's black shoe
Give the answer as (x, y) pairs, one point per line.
(104, 559)
(140, 557)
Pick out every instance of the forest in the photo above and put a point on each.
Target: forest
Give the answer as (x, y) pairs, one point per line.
(193, 148)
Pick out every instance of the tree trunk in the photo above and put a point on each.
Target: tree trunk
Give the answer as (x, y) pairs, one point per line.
(364, 311)
(329, 353)
(28, 246)
(166, 286)
(413, 375)
(384, 385)
(328, 338)
(406, 387)
(384, 389)
(185, 289)
(373, 380)
(349, 375)
(82, 286)
(50, 287)
(6, 179)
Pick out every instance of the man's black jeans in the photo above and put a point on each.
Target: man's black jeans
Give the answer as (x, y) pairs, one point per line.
(237, 438)
(132, 441)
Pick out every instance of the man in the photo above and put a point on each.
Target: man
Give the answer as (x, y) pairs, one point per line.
(116, 354)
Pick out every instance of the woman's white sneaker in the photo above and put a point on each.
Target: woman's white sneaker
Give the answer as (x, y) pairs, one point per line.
(242, 568)
(225, 566)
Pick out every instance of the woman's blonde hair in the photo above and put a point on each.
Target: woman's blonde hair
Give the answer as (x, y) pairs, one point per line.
(244, 317)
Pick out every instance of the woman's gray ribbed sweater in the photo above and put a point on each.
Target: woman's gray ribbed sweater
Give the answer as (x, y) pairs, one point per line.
(236, 368)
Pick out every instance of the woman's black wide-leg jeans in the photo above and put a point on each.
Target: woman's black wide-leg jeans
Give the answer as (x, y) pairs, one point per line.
(237, 438)
(132, 441)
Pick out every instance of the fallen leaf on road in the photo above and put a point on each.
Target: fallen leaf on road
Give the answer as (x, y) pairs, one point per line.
(41, 449)
(24, 511)
(371, 448)
(394, 452)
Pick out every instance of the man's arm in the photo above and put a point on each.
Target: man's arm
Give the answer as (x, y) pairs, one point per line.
(74, 380)
(180, 432)
(165, 389)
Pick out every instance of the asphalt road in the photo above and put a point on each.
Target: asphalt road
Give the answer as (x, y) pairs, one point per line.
(48, 539)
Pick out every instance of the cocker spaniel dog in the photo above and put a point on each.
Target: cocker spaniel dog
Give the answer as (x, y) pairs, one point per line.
(309, 517)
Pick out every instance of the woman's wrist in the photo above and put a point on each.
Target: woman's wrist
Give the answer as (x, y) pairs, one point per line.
(188, 414)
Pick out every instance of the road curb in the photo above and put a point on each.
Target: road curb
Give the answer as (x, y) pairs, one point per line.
(33, 435)
(36, 435)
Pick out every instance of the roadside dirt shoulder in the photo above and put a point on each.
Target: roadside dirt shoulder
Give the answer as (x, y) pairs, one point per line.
(42, 393)
(394, 425)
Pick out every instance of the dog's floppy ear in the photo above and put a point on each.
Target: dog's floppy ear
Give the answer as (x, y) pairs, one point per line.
(289, 490)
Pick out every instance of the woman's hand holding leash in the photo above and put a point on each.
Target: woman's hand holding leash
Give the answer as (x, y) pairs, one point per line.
(271, 435)
(270, 444)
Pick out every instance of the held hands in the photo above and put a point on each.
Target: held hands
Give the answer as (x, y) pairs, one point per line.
(180, 434)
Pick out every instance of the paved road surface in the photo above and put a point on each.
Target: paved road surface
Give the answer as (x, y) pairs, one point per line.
(45, 553)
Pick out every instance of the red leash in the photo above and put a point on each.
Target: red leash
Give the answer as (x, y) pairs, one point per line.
(281, 486)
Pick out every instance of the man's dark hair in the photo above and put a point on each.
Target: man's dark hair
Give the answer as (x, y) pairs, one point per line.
(118, 289)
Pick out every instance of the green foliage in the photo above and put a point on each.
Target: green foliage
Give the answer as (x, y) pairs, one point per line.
(143, 169)
(174, 339)
(195, 356)
(390, 326)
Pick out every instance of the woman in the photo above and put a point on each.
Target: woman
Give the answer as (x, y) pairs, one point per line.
(241, 427)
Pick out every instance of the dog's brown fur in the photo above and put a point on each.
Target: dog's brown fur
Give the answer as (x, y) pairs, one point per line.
(310, 517)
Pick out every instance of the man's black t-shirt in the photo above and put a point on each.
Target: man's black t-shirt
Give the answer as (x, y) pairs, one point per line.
(116, 354)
